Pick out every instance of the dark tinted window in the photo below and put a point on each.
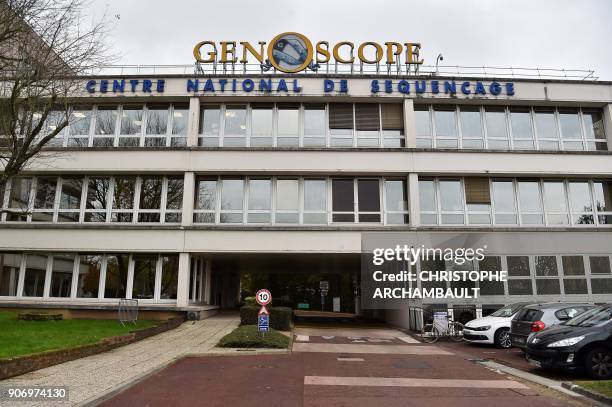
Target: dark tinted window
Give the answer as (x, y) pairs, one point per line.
(529, 315)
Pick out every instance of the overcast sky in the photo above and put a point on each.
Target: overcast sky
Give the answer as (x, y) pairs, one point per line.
(569, 34)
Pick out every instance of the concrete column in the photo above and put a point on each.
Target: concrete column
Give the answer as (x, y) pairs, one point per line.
(607, 117)
(413, 199)
(208, 282)
(182, 291)
(409, 123)
(188, 198)
(194, 122)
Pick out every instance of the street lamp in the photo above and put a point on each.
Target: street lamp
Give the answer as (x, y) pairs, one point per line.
(438, 59)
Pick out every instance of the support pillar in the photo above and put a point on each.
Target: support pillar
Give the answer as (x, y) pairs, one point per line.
(188, 198)
(607, 118)
(207, 282)
(413, 200)
(193, 125)
(182, 291)
(409, 123)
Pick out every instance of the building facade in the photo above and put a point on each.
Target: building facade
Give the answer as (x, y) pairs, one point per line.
(186, 192)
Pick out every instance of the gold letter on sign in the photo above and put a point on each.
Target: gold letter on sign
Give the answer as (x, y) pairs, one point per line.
(228, 48)
(211, 54)
(412, 53)
(391, 54)
(248, 47)
(362, 57)
(322, 51)
(337, 56)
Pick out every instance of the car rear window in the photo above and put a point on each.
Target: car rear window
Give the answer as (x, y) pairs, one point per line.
(529, 315)
(568, 313)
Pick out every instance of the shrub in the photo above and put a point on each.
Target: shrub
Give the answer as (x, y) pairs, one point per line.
(247, 336)
(250, 301)
(280, 317)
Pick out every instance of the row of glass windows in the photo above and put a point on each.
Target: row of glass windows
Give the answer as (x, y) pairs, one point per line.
(515, 128)
(522, 201)
(533, 275)
(93, 199)
(89, 275)
(302, 125)
(148, 125)
(297, 200)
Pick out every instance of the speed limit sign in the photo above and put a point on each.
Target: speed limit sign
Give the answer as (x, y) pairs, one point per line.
(263, 297)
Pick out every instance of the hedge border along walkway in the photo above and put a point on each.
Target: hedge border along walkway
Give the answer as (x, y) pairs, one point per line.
(23, 364)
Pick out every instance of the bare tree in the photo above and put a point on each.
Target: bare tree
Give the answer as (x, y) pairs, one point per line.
(44, 46)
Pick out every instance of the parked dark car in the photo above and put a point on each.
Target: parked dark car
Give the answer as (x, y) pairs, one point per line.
(537, 317)
(582, 343)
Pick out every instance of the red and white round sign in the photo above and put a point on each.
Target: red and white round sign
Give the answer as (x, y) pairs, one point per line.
(263, 297)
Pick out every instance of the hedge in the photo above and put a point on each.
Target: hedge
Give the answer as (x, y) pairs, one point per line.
(247, 336)
(280, 317)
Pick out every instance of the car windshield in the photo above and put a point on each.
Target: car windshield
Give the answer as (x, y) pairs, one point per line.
(507, 311)
(593, 317)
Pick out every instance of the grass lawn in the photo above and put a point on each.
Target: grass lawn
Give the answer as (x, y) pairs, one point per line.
(247, 336)
(599, 386)
(26, 337)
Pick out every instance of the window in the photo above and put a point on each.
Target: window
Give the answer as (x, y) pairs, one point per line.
(367, 121)
(10, 264)
(288, 125)
(573, 265)
(180, 115)
(396, 201)
(546, 128)
(427, 201)
(497, 131)
(581, 204)
(123, 200)
(491, 263)
(522, 130)
(232, 200)
(393, 125)
(44, 199)
(287, 201)
(131, 126)
(116, 276)
(603, 201)
(169, 277)
(478, 200)
(471, 128)
(261, 125)
(314, 126)
(70, 200)
(423, 126)
(368, 200)
(80, 123)
(555, 203)
(97, 196)
(315, 201)
(210, 124)
(594, 129)
(446, 127)
(260, 201)
(520, 287)
(157, 126)
(35, 275)
(174, 200)
(451, 202)
(89, 271)
(530, 202)
(571, 134)
(144, 276)
(547, 280)
(234, 131)
(19, 199)
(573, 271)
(341, 124)
(518, 266)
(599, 264)
(343, 200)
(150, 200)
(61, 275)
(205, 200)
(106, 119)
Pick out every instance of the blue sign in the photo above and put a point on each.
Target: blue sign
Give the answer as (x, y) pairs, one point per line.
(263, 323)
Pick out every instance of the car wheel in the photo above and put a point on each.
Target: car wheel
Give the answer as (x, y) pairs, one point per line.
(598, 363)
(502, 338)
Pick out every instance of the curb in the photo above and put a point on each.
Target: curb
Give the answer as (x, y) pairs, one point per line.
(587, 393)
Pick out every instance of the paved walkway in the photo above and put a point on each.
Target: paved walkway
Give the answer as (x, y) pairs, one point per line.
(91, 377)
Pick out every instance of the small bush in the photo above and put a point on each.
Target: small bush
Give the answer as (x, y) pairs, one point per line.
(280, 317)
(247, 336)
(250, 301)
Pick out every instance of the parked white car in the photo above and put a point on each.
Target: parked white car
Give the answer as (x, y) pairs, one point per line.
(494, 328)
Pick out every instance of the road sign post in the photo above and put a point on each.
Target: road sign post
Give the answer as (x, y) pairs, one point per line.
(263, 298)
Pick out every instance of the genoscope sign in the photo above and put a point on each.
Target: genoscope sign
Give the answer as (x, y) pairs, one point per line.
(293, 52)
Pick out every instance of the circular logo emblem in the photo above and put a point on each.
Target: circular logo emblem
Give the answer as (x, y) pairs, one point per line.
(290, 52)
(263, 297)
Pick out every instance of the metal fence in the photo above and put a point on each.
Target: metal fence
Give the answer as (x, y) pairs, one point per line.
(418, 317)
(128, 311)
